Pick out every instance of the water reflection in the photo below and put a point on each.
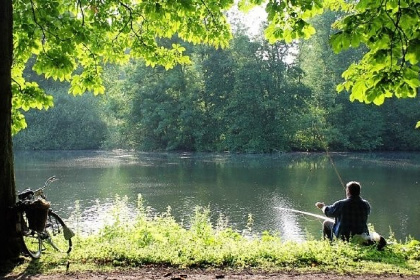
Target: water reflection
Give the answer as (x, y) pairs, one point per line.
(234, 185)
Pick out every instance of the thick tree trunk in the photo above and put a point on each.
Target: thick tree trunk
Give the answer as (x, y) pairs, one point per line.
(9, 246)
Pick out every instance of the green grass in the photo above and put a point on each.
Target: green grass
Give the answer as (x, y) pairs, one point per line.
(159, 239)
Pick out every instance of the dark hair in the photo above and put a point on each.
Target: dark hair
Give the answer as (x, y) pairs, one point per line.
(354, 188)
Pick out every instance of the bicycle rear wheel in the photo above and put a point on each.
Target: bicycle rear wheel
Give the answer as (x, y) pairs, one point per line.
(31, 240)
(58, 234)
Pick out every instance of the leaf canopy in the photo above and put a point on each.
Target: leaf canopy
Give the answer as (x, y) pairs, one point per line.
(72, 40)
(389, 29)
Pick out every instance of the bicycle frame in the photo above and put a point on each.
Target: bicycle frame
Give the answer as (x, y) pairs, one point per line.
(52, 229)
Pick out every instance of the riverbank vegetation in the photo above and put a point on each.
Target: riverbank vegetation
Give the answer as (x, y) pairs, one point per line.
(251, 97)
(147, 238)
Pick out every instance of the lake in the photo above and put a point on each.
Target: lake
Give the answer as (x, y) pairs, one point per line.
(230, 184)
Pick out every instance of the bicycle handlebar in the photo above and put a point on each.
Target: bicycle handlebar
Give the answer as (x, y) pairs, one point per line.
(46, 184)
(28, 193)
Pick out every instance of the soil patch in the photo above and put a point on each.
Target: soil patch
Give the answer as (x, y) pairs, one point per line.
(154, 273)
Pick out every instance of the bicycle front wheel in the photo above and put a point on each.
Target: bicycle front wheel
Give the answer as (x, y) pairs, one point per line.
(31, 240)
(58, 235)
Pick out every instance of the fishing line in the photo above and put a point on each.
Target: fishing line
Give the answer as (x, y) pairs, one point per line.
(324, 143)
(309, 177)
(335, 169)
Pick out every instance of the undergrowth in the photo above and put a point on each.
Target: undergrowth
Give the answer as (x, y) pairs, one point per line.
(158, 239)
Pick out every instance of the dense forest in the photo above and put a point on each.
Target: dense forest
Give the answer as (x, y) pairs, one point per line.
(252, 97)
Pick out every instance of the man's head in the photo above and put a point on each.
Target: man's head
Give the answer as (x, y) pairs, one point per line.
(353, 188)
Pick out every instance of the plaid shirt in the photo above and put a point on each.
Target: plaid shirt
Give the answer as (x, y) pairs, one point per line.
(350, 216)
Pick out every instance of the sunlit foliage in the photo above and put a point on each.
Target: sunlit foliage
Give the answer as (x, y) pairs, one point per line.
(151, 238)
(389, 29)
(73, 39)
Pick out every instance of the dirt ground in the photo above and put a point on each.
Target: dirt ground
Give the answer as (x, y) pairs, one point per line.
(154, 273)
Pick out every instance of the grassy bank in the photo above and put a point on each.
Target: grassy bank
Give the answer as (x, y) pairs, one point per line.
(148, 238)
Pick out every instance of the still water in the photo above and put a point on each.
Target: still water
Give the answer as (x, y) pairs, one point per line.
(232, 185)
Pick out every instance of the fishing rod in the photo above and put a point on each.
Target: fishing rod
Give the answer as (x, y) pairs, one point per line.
(373, 236)
(324, 142)
(306, 213)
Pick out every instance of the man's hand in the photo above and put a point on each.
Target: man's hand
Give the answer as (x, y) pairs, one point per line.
(320, 205)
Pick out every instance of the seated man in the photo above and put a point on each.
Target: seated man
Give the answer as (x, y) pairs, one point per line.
(350, 217)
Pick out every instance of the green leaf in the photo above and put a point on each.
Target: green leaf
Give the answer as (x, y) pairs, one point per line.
(413, 51)
(309, 31)
(340, 87)
(359, 90)
(379, 99)
(337, 41)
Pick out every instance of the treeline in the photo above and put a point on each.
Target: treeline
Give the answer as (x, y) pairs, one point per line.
(252, 97)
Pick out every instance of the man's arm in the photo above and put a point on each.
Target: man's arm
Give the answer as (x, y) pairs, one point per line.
(331, 211)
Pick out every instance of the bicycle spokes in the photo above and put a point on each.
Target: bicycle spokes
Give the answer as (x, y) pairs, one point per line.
(59, 236)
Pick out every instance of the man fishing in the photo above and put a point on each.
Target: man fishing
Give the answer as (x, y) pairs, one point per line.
(350, 217)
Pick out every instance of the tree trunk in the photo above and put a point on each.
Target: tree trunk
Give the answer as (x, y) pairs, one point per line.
(8, 234)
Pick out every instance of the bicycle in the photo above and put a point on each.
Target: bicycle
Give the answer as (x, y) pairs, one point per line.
(39, 224)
